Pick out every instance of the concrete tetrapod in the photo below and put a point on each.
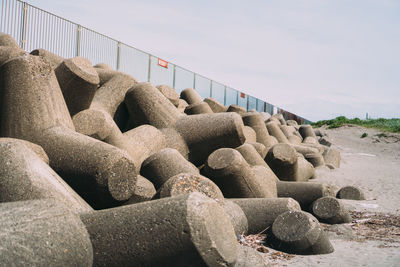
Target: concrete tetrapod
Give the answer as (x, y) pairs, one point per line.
(250, 134)
(350, 192)
(215, 106)
(184, 230)
(234, 176)
(25, 176)
(8, 52)
(140, 142)
(330, 210)
(198, 108)
(249, 257)
(307, 131)
(169, 93)
(191, 96)
(299, 232)
(237, 216)
(185, 183)
(144, 191)
(261, 212)
(284, 162)
(261, 149)
(238, 109)
(255, 121)
(42, 233)
(164, 164)
(275, 131)
(304, 192)
(52, 58)
(332, 157)
(78, 81)
(45, 120)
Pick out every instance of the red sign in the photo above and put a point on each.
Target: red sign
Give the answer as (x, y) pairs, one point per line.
(242, 95)
(163, 63)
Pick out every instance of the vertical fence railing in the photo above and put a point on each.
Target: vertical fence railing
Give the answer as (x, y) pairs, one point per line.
(33, 28)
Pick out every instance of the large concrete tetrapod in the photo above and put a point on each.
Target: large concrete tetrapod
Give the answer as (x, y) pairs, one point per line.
(78, 81)
(187, 230)
(235, 177)
(191, 96)
(42, 233)
(261, 212)
(52, 58)
(255, 121)
(299, 232)
(34, 109)
(25, 176)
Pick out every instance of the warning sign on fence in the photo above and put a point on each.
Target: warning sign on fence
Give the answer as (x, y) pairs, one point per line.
(242, 95)
(163, 63)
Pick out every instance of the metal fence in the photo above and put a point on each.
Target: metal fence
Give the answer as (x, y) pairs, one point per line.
(35, 28)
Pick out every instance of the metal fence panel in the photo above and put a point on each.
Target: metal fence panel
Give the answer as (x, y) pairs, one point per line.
(134, 62)
(161, 75)
(269, 108)
(260, 105)
(242, 100)
(183, 79)
(252, 103)
(11, 19)
(218, 91)
(202, 86)
(231, 96)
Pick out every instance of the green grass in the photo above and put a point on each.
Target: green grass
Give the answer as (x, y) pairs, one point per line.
(388, 125)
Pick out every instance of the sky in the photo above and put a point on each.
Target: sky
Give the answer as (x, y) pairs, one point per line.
(316, 58)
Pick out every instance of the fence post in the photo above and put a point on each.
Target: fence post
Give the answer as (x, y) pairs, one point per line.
(247, 106)
(149, 69)
(225, 95)
(173, 77)
(194, 81)
(78, 40)
(118, 55)
(23, 25)
(211, 81)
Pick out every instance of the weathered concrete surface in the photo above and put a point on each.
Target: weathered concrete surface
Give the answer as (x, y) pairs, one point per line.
(237, 216)
(191, 96)
(330, 210)
(350, 192)
(42, 233)
(176, 231)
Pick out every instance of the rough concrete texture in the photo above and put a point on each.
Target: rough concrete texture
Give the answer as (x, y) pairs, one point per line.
(265, 115)
(350, 192)
(235, 108)
(330, 210)
(292, 123)
(260, 148)
(310, 140)
(304, 192)
(147, 105)
(205, 133)
(237, 216)
(42, 233)
(299, 232)
(38, 150)
(169, 93)
(262, 212)
(332, 157)
(307, 131)
(185, 183)
(316, 159)
(198, 108)
(144, 191)
(249, 257)
(25, 176)
(103, 66)
(78, 81)
(234, 176)
(182, 105)
(9, 52)
(269, 179)
(275, 131)
(52, 58)
(251, 155)
(325, 141)
(165, 164)
(7, 40)
(191, 96)
(280, 118)
(111, 94)
(215, 106)
(140, 142)
(255, 121)
(45, 120)
(250, 134)
(283, 160)
(177, 231)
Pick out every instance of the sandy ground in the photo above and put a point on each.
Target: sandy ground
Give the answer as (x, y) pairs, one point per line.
(373, 238)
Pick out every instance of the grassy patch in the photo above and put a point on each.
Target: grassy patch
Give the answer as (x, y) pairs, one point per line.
(388, 125)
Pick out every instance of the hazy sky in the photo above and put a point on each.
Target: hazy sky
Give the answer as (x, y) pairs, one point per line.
(316, 58)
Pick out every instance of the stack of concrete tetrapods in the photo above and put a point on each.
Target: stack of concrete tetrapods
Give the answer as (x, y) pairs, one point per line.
(100, 169)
